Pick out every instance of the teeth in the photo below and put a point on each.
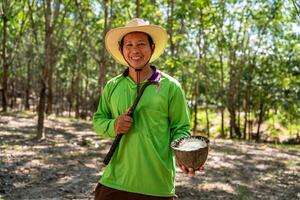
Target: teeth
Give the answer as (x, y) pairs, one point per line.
(135, 58)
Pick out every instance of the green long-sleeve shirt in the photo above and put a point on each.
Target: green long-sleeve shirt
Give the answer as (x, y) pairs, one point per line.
(143, 163)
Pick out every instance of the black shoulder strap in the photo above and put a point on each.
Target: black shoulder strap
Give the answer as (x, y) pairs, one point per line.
(129, 112)
(137, 99)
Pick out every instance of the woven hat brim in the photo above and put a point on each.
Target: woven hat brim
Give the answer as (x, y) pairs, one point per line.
(112, 38)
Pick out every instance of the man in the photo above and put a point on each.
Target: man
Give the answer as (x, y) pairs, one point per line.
(143, 165)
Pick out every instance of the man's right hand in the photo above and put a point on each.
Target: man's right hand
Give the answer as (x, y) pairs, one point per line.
(123, 124)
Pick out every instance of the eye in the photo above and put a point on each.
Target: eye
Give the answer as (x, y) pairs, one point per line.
(141, 44)
(128, 45)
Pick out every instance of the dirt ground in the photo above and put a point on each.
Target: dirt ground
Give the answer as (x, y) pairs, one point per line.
(68, 164)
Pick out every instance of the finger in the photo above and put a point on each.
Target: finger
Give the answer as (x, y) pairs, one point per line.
(127, 125)
(191, 172)
(201, 168)
(123, 123)
(124, 127)
(183, 168)
(127, 118)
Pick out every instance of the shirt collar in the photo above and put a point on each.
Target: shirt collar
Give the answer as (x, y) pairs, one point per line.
(154, 78)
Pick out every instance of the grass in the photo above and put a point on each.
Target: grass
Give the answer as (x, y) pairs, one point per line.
(272, 126)
(17, 113)
(243, 193)
(288, 147)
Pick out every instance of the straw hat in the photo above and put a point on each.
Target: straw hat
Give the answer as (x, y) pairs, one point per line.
(114, 36)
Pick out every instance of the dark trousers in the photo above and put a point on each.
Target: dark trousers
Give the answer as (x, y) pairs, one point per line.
(105, 193)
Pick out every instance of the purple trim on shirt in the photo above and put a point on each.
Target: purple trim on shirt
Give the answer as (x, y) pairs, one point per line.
(154, 78)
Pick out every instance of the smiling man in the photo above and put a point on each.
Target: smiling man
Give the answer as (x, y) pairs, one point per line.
(143, 165)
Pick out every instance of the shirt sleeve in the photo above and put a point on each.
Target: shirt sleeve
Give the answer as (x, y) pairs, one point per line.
(103, 123)
(179, 115)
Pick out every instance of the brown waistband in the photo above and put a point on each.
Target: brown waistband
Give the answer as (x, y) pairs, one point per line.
(105, 193)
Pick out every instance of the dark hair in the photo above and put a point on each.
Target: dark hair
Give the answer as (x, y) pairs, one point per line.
(150, 40)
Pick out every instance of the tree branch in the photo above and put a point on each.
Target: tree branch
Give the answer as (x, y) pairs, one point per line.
(297, 7)
(93, 50)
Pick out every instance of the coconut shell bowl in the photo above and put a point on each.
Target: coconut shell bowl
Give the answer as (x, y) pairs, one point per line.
(191, 151)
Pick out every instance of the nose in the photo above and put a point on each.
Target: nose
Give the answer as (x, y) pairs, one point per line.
(135, 48)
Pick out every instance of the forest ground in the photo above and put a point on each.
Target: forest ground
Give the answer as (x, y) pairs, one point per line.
(68, 164)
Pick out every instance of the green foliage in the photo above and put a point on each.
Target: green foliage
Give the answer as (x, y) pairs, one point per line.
(246, 54)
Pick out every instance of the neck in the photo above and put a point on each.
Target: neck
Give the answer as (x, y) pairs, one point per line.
(145, 73)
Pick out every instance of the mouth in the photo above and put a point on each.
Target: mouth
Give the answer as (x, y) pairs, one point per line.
(136, 58)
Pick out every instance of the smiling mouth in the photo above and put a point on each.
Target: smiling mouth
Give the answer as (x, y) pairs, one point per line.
(136, 58)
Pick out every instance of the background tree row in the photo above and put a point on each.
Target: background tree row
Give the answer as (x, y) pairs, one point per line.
(239, 59)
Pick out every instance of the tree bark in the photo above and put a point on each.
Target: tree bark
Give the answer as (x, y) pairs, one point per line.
(197, 85)
(102, 61)
(138, 8)
(247, 98)
(206, 88)
(32, 56)
(220, 43)
(41, 108)
(196, 97)
(222, 94)
(297, 7)
(260, 118)
(5, 62)
(28, 79)
(78, 77)
(170, 27)
(50, 29)
(47, 68)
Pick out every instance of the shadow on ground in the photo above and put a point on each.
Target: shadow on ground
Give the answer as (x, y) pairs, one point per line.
(68, 164)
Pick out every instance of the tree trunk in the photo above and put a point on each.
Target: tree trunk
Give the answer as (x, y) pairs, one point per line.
(233, 92)
(239, 117)
(12, 95)
(138, 8)
(170, 30)
(51, 26)
(220, 43)
(28, 78)
(41, 108)
(247, 102)
(250, 125)
(197, 85)
(297, 7)
(78, 76)
(46, 73)
(36, 41)
(260, 118)
(245, 124)
(231, 97)
(196, 96)
(5, 64)
(50, 84)
(222, 94)
(206, 89)
(87, 104)
(102, 61)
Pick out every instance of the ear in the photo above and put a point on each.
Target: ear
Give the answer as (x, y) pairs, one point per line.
(153, 47)
(120, 49)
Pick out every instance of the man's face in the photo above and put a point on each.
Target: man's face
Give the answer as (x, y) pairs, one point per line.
(136, 49)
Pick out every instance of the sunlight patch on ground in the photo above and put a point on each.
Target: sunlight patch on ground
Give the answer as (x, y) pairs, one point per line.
(218, 186)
